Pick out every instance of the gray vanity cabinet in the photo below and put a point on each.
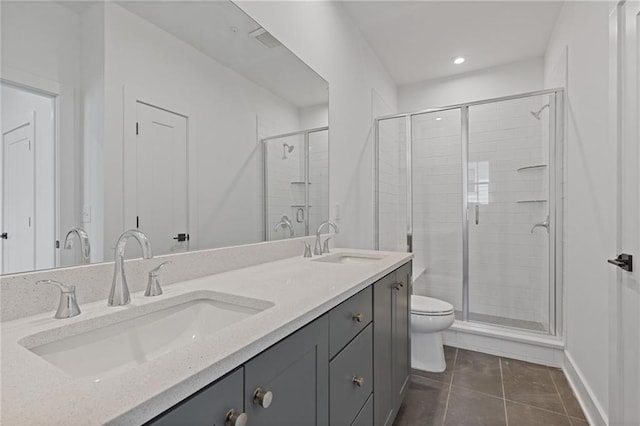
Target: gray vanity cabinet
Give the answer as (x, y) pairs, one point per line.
(349, 367)
(296, 372)
(391, 349)
(210, 406)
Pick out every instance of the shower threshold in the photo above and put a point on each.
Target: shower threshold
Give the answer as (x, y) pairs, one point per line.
(504, 322)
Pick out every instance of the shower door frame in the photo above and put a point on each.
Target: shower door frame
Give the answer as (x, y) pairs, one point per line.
(265, 176)
(555, 197)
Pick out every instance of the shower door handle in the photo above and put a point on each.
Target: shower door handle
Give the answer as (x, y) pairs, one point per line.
(477, 214)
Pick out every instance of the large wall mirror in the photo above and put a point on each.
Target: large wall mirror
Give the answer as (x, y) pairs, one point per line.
(186, 120)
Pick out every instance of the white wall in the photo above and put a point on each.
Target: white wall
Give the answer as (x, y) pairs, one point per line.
(223, 109)
(582, 29)
(503, 80)
(323, 35)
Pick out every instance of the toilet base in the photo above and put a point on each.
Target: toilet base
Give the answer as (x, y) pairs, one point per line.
(427, 352)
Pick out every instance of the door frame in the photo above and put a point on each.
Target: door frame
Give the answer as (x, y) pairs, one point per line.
(53, 90)
(132, 95)
(618, 132)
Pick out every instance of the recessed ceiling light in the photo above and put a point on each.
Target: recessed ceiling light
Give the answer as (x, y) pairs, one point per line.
(438, 118)
(459, 60)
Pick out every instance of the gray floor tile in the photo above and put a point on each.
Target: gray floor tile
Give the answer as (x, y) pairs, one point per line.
(445, 376)
(469, 408)
(424, 404)
(530, 384)
(578, 422)
(526, 415)
(566, 394)
(477, 371)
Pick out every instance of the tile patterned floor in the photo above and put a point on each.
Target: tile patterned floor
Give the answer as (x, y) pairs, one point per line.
(481, 389)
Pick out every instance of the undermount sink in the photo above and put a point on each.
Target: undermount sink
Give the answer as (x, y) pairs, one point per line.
(134, 341)
(351, 258)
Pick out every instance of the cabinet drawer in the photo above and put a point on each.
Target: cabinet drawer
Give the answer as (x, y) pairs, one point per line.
(207, 407)
(348, 319)
(365, 416)
(354, 362)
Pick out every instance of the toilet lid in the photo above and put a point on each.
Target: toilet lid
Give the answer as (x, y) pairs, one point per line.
(429, 305)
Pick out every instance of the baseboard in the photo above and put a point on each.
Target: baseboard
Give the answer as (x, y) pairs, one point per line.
(530, 347)
(592, 409)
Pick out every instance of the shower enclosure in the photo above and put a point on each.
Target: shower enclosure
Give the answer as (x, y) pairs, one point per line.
(296, 183)
(475, 192)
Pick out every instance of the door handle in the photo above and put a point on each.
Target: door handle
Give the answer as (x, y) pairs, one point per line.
(477, 214)
(623, 261)
(182, 237)
(4, 236)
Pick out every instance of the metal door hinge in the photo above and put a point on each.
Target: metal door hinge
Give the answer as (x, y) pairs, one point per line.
(623, 261)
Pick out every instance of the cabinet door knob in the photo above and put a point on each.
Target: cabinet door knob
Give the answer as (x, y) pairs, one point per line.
(398, 286)
(357, 317)
(235, 419)
(358, 381)
(262, 398)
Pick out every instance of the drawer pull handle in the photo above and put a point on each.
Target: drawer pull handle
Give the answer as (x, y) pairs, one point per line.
(398, 286)
(358, 381)
(357, 317)
(262, 398)
(235, 419)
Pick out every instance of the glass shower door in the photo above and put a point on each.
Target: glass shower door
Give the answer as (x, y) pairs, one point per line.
(436, 140)
(508, 209)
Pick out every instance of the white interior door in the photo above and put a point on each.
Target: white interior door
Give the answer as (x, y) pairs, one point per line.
(624, 401)
(161, 178)
(18, 199)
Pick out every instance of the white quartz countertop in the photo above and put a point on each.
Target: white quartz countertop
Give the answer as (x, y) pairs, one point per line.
(33, 391)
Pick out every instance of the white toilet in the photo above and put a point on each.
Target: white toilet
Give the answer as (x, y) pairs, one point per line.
(429, 317)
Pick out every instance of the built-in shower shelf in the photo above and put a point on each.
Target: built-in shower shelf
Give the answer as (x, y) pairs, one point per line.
(299, 205)
(531, 201)
(537, 166)
(299, 183)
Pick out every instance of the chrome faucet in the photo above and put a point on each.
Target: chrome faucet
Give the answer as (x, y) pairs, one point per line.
(285, 223)
(119, 294)
(85, 246)
(318, 249)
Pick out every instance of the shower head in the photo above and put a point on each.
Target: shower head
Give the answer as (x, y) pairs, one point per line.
(286, 149)
(536, 114)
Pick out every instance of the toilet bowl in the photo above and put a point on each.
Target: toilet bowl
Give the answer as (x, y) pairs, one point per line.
(429, 317)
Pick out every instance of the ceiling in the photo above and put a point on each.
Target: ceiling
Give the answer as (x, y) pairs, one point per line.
(220, 30)
(418, 40)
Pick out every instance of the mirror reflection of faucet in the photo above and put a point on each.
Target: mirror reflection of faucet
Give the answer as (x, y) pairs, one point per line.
(85, 246)
(284, 224)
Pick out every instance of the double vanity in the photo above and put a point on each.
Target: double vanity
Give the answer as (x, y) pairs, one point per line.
(321, 340)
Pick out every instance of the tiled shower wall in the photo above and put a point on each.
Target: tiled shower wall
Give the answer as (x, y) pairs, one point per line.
(392, 184)
(319, 179)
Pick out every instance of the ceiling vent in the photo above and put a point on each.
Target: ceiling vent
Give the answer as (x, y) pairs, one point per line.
(265, 38)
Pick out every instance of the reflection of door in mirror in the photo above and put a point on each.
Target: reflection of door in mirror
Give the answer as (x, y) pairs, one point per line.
(161, 178)
(28, 179)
